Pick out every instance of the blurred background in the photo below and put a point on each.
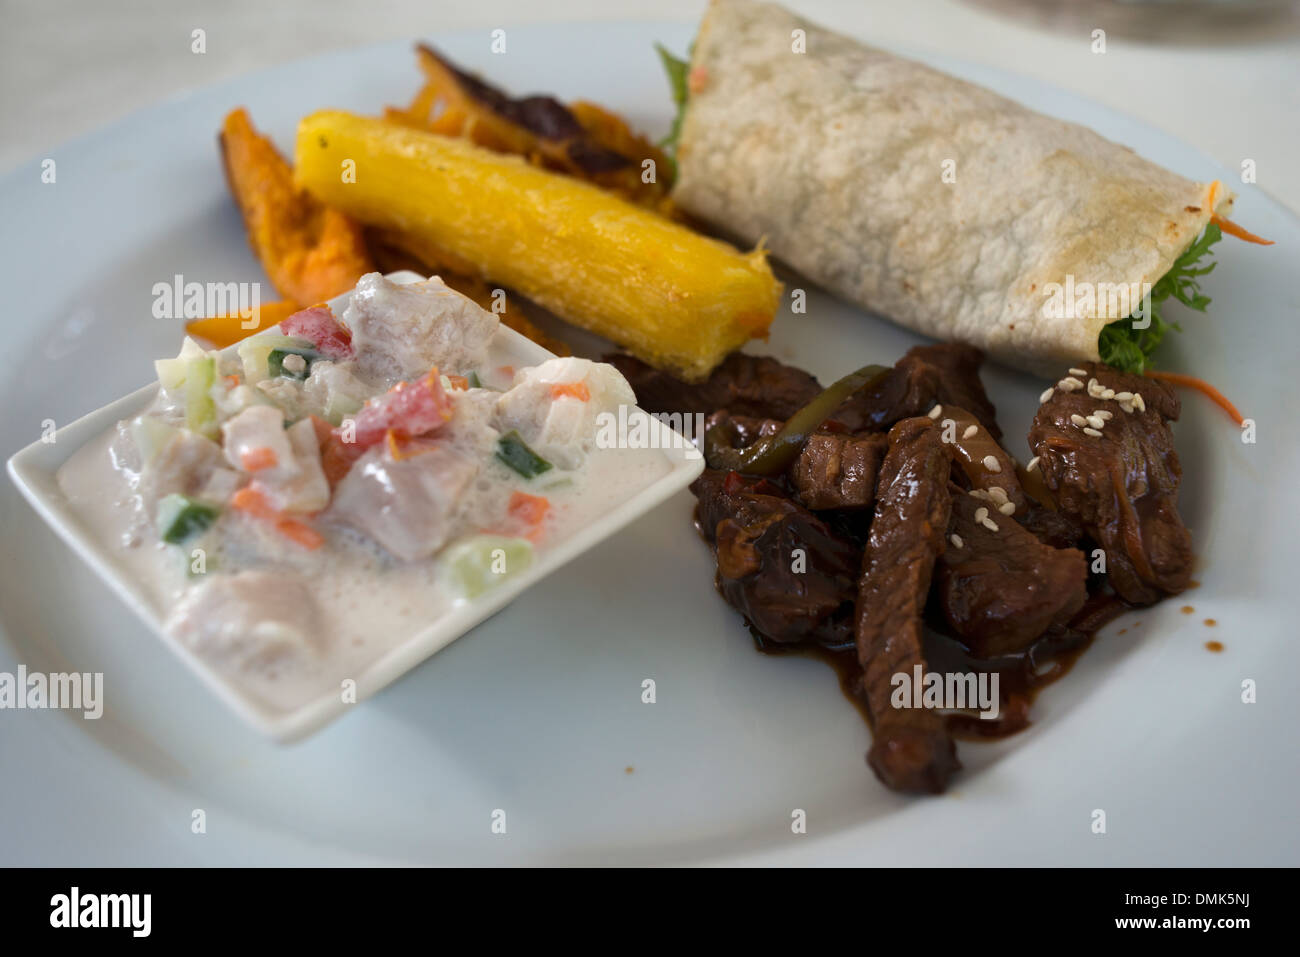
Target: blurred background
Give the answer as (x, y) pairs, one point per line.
(1223, 75)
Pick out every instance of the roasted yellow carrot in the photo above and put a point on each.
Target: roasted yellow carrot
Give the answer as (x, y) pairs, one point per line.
(676, 299)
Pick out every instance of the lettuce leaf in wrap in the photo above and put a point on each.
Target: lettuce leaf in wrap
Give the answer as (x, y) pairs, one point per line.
(1129, 349)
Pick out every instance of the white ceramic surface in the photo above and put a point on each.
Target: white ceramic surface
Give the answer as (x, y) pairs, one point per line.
(35, 470)
(540, 715)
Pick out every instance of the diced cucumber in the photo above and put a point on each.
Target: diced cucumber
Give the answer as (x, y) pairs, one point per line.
(340, 407)
(473, 380)
(477, 564)
(181, 518)
(200, 409)
(150, 434)
(171, 372)
(255, 353)
(275, 362)
(514, 452)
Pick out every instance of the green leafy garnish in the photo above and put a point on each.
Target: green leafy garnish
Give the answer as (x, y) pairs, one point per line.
(1128, 349)
(678, 71)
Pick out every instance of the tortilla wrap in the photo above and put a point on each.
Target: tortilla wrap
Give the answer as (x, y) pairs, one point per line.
(937, 203)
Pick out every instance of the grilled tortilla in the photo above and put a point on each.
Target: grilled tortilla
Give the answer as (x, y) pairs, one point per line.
(932, 201)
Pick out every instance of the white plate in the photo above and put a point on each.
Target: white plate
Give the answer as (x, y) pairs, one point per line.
(541, 714)
(35, 470)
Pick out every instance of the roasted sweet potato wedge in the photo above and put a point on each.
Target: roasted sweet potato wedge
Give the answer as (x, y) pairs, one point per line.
(310, 251)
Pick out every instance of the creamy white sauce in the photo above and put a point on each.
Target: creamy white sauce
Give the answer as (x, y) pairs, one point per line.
(369, 602)
(358, 600)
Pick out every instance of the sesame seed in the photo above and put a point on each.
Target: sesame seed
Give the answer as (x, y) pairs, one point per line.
(997, 495)
(1124, 396)
(1139, 402)
(1104, 414)
(981, 514)
(992, 464)
(1078, 420)
(956, 540)
(970, 431)
(1078, 372)
(1108, 393)
(1097, 422)
(1093, 432)
(1033, 463)
(1046, 395)
(936, 412)
(1007, 508)
(990, 524)
(1069, 384)
(1127, 407)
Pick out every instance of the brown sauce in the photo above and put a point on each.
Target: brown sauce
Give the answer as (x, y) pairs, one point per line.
(1210, 622)
(1215, 646)
(1020, 676)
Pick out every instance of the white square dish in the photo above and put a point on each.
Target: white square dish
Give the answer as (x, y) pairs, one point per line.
(34, 470)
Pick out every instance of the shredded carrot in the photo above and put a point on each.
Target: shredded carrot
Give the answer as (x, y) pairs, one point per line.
(400, 447)
(458, 381)
(508, 371)
(530, 510)
(577, 390)
(1200, 385)
(251, 499)
(254, 460)
(300, 532)
(1232, 229)
(231, 380)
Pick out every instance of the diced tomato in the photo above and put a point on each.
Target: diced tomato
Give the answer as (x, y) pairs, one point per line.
(576, 390)
(337, 458)
(319, 325)
(251, 500)
(530, 511)
(323, 430)
(411, 409)
(263, 457)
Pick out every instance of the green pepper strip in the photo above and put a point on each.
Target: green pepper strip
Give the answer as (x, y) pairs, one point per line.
(773, 455)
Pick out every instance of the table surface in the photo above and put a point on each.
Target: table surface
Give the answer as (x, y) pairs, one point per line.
(69, 67)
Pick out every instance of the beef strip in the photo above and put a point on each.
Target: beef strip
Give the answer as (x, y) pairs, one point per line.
(985, 465)
(1050, 527)
(974, 451)
(908, 389)
(780, 566)
(1121, 486)
(911, 748)
(836, 471)
(1000, 588)
(741, 431)
(743, 384)
(926, 376)
(959, 379)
